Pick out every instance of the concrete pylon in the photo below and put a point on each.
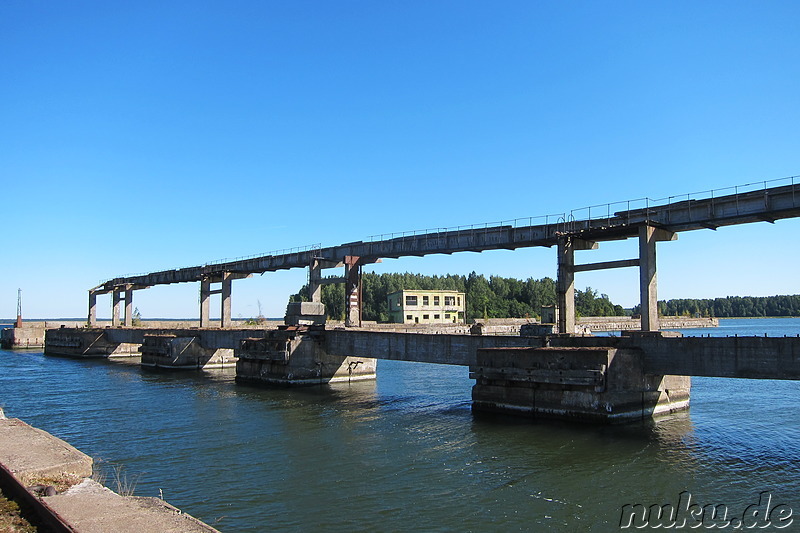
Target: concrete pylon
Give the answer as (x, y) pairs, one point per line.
(648, 280)
(128, 308)
(352, 293)
(227, 286)
(565, 284)
(314, 281)
(116, 298)
(92, 318)
(205, 303)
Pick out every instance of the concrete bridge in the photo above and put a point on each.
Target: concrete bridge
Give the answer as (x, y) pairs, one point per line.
(652, 223)
(536, 373)
(599, 379)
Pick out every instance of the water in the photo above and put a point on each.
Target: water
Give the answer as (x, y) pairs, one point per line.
(405, 452)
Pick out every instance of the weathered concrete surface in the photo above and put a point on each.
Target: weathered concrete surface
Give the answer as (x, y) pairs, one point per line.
(305, 314)
(421, 347)
(31, 454)
(298, 356)
(28, 336)
(664, 353)
(596, 384)
(35, 456)
(112, 342)
(92, 508)
(726, 357)
(170, 351)
(771, 204)
(622, 323)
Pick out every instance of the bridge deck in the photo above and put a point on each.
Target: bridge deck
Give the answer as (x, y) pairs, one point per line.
(737, 357)
(768, 204)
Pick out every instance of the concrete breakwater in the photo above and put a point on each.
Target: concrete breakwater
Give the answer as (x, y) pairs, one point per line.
(625, 323)
(32, 334)
(54, 481)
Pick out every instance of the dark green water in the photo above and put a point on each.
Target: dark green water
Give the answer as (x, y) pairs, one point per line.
(405, 452)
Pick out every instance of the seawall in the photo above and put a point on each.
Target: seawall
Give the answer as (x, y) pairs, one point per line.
(53, 480)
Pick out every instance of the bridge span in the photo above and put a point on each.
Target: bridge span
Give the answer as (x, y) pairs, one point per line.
(606, 379)
(649, 221)
(600, 379)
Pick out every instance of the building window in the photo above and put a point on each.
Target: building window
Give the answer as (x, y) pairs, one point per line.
(450, 300)
(411, 301)
(426, 317)
(459, 301)
(425, 300)
(435, 300)
(436, 317)
(409, 317)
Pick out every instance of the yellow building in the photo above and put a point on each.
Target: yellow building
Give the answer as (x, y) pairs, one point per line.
(427, 307)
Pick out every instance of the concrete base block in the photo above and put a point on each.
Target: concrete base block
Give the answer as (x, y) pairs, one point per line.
(604, 385)
(304, 320)
(28, 336)
(183, 353)
(305, 308)
(88, 342)
(297, 357)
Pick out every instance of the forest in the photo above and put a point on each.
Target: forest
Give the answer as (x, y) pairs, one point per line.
(731, 306)
(498, 297)
(495, 297)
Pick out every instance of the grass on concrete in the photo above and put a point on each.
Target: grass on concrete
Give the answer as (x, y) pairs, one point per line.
(11, 519)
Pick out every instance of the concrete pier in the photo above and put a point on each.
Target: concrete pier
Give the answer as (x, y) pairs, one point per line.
(181, 348)
(297, 356)
(600, 379)
(595, 384)
(182, 353)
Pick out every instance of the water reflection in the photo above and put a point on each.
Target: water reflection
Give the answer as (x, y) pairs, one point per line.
(404, 452)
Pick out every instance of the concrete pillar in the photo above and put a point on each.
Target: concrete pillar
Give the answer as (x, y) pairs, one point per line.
(648, 284)
(92, 319)
(205, 303)
(314, 278)
(129, 308)
(352, 292)
(565, 286)
(227, 282)
(115, 299)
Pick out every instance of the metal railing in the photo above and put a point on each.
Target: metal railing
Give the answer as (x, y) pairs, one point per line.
(564, 221)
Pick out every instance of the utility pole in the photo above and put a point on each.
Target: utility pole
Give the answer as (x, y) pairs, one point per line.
(18, 323)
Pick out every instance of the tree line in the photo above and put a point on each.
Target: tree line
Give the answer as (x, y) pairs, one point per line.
(495, 297)
(731, 306)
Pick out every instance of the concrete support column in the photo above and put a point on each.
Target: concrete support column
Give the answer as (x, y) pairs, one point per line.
(128, 307)
(565, 286)
(116, 298)
(205, 303)
(352, 292)
(648, 282)
(92, 319)
(314, 279)
(227, 282)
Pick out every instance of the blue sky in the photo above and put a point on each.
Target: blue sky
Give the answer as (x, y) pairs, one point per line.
(139, 136)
